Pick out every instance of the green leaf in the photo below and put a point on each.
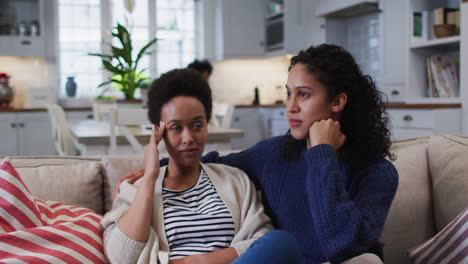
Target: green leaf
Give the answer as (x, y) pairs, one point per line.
(101, 55)
(125, 39)
(118, 52)
(108, 66)
(142, 51)
(104, 83)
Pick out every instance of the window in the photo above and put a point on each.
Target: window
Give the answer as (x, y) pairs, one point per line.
(82, 27)
(79, 33)
(176, 31)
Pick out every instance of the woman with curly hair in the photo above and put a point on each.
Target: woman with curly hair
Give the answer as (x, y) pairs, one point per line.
(326, 181)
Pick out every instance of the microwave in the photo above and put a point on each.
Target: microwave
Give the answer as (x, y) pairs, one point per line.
(274, 34)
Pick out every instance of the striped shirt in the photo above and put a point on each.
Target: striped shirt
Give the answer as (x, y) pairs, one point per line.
(196, 220)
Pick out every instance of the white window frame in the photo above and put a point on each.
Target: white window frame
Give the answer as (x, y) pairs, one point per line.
(107, 26)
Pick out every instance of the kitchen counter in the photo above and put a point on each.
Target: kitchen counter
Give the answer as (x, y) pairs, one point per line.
(389, 106)
(43, 109)
(260, 105)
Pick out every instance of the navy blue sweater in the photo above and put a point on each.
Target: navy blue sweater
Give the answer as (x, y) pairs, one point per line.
(334, 215)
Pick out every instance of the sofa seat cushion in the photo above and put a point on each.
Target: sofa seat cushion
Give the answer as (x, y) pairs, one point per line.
(73, 181)
(448, 161)
(410, 219)
(449, 246)
(39, 231)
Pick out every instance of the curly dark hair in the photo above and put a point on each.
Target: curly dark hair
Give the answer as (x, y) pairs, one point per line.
(178, 82)
(364, 120)
(201, 66)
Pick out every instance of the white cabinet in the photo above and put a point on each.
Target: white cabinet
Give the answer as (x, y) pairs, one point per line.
(275, 120)
(23, 28)
(8, 129)
(410, 123)
(300, 27)
(252, 122)
(233, 29)
(78, 115)
(35, 134)
(394, 46)
(26, 134)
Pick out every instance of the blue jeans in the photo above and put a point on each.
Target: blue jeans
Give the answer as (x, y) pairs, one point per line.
(275, 247)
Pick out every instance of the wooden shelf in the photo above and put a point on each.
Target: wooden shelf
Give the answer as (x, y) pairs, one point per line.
(433, 100)
(421, 106)
(455, 40)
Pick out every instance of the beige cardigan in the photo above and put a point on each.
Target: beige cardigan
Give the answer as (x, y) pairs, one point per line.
(233, 186)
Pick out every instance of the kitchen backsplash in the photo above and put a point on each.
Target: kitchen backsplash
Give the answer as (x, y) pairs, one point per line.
(28, 73)
(234, 81)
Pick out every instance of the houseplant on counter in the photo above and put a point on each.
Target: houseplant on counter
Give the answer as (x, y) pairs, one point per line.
(121, 64)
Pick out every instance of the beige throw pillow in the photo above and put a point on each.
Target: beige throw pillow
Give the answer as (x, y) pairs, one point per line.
(78, 185)
(448, 161)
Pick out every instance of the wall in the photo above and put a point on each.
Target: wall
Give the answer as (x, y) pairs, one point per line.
(233, 81)
(29, 73)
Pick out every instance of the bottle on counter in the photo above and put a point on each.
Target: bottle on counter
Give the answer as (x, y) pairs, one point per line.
(256, 100)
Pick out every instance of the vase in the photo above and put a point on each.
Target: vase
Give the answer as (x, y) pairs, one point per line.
(70, 87)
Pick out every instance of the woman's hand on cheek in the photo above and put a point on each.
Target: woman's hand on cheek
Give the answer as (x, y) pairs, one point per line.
(326, 131)
(151, 151)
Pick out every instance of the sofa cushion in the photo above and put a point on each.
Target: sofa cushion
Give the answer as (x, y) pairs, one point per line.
(448, 161)
(410, 220)
(38, 231)
(114, 168)
(449, 246)
(73, 181)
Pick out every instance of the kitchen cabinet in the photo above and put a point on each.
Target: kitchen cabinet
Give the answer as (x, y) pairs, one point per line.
(252, 122)
(233, 29)
(258, 123)
(26, 134)
(78, 115)
(8, 123)
(410, 123)
(22, 28)
(275, 120)
(300, 27)
(394, 46)
(278, 122)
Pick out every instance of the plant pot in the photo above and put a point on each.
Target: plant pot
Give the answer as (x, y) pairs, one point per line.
(129, 103)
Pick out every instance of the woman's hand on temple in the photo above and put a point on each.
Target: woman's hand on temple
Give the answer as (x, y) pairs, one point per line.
(326, 131)
(151, 151)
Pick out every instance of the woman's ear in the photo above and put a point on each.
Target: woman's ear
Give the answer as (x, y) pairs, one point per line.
(339, 102)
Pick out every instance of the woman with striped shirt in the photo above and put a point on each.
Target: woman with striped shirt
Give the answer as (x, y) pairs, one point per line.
(188, 212)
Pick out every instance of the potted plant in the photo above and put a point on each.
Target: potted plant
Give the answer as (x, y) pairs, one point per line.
(121, 64)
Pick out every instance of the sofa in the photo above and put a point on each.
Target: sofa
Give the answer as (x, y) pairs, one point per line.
(433, 186)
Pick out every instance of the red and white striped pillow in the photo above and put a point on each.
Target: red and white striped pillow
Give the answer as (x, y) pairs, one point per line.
(37, 231)
(449, 246)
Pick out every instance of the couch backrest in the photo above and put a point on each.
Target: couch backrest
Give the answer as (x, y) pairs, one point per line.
(70, 180)
(410, 220)
(448, 162)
